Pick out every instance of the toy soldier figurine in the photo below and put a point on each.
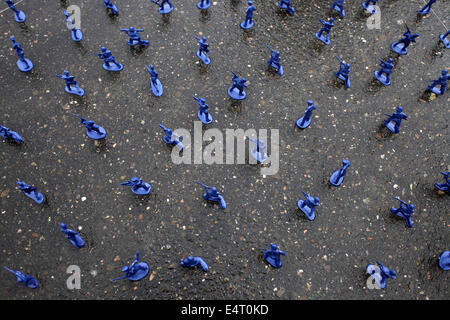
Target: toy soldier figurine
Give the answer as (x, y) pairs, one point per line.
(77, 35)
(404, 211)
(442, 82)
(138, 186)
(369, 5)
(426, 10)
(444, 39)
(259, 153)
(444, 186)
(338, 176)
(394, 121)
(110, 62)
(236, 91)
(305, 121)
(8, 134)
(248, 22)
(381, 274)
(401, 46)
(203, 113)
(327, 25)
(111, 7)
(444, 260)
(172, 139)
(73, 236)
(26, 279)
(213, 195)
(286, 5)
(31, 192)
(273, 256)
(93, 130)
(343, 73)
(71, 85)
(274, 60)
(384, 74)
(164, 7)
(19, 16)
(135, 38)
(191, 262)
(135, 271)
(24, 64)
(338, 5)
(203, 51)
(156, 85)
(203, 4)
(308, 206)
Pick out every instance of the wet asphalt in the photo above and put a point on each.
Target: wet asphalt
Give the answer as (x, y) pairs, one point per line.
(326, 258)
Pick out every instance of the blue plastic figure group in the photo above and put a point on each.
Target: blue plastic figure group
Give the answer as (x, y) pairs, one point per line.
(110, 62)
(111, 7)
(77, 35)
(369, 5)
(338, 6)
(203, 51)
(327, 25)
(164, 7)
(259, 152)
(71, 85)
(274, 61)
(337, 177)
(395, 120)
(213, 195)
(286, 5)
(444, 186)
(384, 74)
(156, 85)
(441, 82)
(343, 73)
(19, 16)
(191, 262)
(93, 130)
(31, 192)
(444, 260)
(26, 279)
(444, 39)
(73, 236)
(405, 212)
(236, 91)
(426, 10)
(381, 274)
(304, 122)
(248, 22)
(8, 134)
(204, 4)
(308, 205)
(203, 113)
(135, 38)
(24, 64)
(138, 186)
(172, 139)
(273, 256)
(401, 46)
(135, 271)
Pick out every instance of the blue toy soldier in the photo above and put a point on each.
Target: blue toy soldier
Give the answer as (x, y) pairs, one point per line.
(172, 139)
(8, 134)
(259, 153)
(395, 120)
(343, 73)
(31, 192)
(203, 113)
(426, 10)
(405, 211)
(273, 256)
(383, 75)
(135, 271)
(191, 262)
(274, 61)
(305, 121)
(164, 7)
(248, 22)
(337, 177)
(444, 260)
(213, 195)
(444, 186)
(236, 91)
(203, 51)
(380, 274)
(71, 85)
(327, 25)
(442, 82)
(138, 186)
(308, 205)
(26, 279)
(156, 85)
(135, 38)
(93, 130)
(286, 5)
(369, 5)
(24, 64)
(401, 46)
(339, 7)
(111, 7)
(73, 236)
(444, 39)
(77, 35)
(19, 16)
(204, 4)
(110, 62)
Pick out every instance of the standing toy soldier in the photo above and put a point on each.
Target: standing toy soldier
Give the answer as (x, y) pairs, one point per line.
(24, 64)
(203, 51)
(172, 139)
(274, 60)
(236, 91)
(203, 113)
(156, 85)
(305, 121)
(93, 130)
(71, 85)
(135, 38)
(248, 22)
(401, 46)
(442, 82)
(383, 75)
(259, 153)
(110, 62)
(273, 256)
(135, 271)
(308, 205)
(394, 121)
(343, 73)
(404, 211)
(213, 195)
(327, 25)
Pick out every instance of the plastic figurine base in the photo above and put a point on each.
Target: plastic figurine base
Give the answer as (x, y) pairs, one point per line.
(31, 192)
(204, 4)
(75, 90)
(166, 8)
(20, 16)
(133, 43)
(26, 279)
(204, 57)
(73, 236)
(279, 70)
(391, 126)
(205, 118)
(191, 262)
(247, 25)
(441, 82)
(427, 9)
(444, 40)
(25, 65)
(94, 135)
(135, 271)
(157, 88)
(339, 7)
(259, 156)
(234, 94)
(382, 78)
(302, 123)
(343, 78)
(399, 48)
(113, 66)
(325, 40)
(273, 256)
(337, 177)
(380, 274)
(445, 187)
(77, 35)
(444, 260)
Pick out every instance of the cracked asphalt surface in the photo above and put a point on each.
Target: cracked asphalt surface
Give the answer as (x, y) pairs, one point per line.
(326, 258)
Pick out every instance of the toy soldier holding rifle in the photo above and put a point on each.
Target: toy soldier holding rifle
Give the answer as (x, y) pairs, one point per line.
(213, 195)
(404, 211)
(135, 38)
